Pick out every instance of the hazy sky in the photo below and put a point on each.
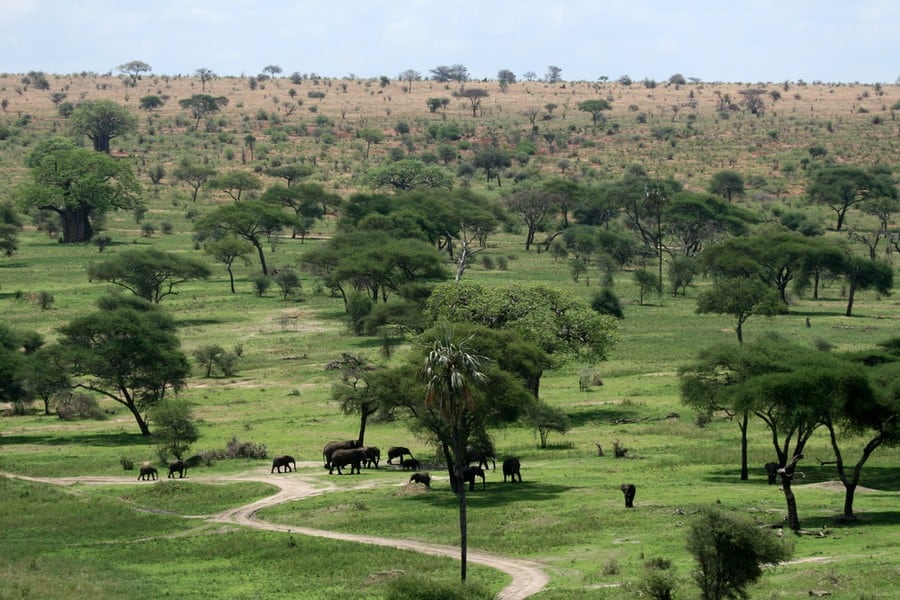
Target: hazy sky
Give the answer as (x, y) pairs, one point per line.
(714, 40)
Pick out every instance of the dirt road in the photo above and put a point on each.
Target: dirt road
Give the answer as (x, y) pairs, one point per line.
(528, 577)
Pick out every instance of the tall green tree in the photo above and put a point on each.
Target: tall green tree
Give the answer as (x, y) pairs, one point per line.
(102, 121)
(409, 174)
(235, 183)
(865, 273)
(78, 185)
(492, 161)
(842, 187)
(151, 274)
(128, 351)
(176, 427)
(252, 220)
(134, 69)
(870, 414)
(195, 176)
(741, 298)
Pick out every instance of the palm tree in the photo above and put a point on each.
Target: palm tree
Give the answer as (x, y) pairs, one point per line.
(450, 372)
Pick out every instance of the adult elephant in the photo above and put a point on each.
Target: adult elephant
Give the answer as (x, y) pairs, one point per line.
(480, 455)
(373, 455)
(511, 469)
(347, 456)
(331, 447)
(180, 467)
(283, 461)
(398, 452)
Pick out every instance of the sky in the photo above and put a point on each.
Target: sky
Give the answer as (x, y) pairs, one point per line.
(712, 40)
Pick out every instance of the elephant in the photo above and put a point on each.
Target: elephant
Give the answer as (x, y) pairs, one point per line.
(347, 456)
(511, 468)
(423, 478)
(373, 456)
(397, 452)
(629, 490)
(180, 467)
(481, 455)
(283, 461)
(148, 473)
(772, 471)
(410, 464)
(470, 473)
(331, 447)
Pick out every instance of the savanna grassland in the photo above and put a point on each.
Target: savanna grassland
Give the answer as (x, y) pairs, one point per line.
(132, 539)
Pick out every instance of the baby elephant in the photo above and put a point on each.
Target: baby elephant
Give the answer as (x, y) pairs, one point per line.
(629, 490)
(511, 468)
(423, 478)
(148, 473)
(410, 464)
(283, 461)
(180, 467)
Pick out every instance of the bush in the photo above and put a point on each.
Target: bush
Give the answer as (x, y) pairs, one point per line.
(659, 579)
(730, 551)
(45, 300)
(605, 302)
(79, 406)
(261, 284)
(237, 449)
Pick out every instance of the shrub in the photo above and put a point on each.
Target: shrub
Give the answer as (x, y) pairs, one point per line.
(659, 579)
(79, 406)
(730, 551)
(261, 284)
(45, 300)
(605, 302)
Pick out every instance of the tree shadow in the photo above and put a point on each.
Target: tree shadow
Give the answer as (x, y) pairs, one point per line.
(107, 440)
(606, 415)
(495, 493)
(198, 322)
(862, 518)
(878, 478)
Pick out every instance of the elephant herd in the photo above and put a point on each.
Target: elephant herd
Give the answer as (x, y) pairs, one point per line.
(149, 472)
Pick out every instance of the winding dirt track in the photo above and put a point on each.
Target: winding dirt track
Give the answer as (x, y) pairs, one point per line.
(528, 577)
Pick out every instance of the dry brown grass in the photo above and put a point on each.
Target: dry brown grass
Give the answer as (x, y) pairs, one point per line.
(837, 117)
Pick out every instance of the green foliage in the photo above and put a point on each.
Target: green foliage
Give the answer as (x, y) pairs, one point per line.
(740, 298)
(546, 419)
(261, 284)
(288, 282)
(150, 274)
(77, 184)
(606, 302)
(730, 552)
(175, 427)
(562, 326)
(648, 282)
(102, 121)
(128, 352)
(409, 174)
(203, 106)
(682, 271)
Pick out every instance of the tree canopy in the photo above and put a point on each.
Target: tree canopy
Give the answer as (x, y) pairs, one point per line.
(151, 274)
(127, 351)
(78, 185)
(101, 121)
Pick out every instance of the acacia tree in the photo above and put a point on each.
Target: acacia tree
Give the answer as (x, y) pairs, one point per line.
(872, 411)
(134, 69)
(474, 96)
(595, 107)
(204, 74)
(533, 206)
(151, 274)
(195, 176)
(101, 121)
(864, 273)
(844, 186)
(78, 185)
(127, 351)
(305, 199)
(203, 106)
(252, 220)
(492, 160)
(741, 298)
(235, 183)
(727, 184)
(354, 392)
